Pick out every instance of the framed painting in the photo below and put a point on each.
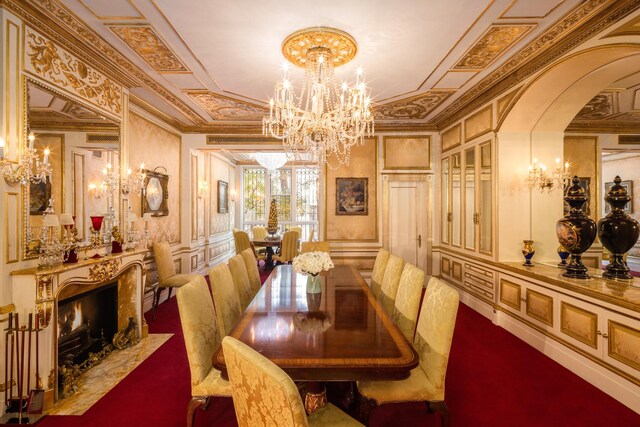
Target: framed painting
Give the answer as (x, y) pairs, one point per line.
(585, 183)
(223, 197)
(628, 185)
(352, 196)
(155, 193)
(39, 195)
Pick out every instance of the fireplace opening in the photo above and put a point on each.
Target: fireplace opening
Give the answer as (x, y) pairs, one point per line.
(86, 324)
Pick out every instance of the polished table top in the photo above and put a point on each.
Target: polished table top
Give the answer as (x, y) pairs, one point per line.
(339, 334)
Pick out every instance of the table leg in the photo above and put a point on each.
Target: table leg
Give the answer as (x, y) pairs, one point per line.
(316, 396)
(268, 262)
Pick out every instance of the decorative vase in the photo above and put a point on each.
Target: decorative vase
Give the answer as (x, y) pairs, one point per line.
(576, 231)
(618, 232)
(313, 284)
(528, 252)
(313, 301)
(563, 254)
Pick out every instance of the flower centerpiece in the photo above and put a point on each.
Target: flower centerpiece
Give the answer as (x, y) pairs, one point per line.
(312, 323)
(312, 263)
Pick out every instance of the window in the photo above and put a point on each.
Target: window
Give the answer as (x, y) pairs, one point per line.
(295, 191)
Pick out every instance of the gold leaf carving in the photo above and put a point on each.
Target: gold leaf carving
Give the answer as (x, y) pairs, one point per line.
(413, 108)
(64, 70)
(146, 43)
(600, 107)
(44, 299)
(491, 45)
(104, 271)
(223, 108)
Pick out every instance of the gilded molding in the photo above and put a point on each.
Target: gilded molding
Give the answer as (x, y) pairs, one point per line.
(104, 271)
(222, 107)
(491, 45)
(54, 64)
(579, 323)
(144, 41)
(623, 344)
(601, 106)
(342, 46)
(45, 301)
(417, 107)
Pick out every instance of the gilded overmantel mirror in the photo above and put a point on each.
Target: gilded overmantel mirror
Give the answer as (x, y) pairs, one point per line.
(84, 153)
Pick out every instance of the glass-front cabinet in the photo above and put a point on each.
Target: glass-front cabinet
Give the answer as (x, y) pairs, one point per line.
(467, 198)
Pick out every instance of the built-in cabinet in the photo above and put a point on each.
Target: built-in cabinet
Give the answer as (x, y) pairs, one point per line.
(467, 199)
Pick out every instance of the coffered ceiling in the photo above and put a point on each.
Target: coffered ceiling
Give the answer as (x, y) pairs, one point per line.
(218, 60)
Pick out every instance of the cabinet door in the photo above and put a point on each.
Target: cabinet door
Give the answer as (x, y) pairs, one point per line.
(622, 347)
(470, 198)
(456, 200)
(485, 200)
(445, 212)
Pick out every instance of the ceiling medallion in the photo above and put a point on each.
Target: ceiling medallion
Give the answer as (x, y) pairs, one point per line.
(342, 46)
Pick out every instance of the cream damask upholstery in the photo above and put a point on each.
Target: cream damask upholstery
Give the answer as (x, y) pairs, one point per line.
(433, 343)
(289, 248)
(259, 233)
(241, 240)
(390, 282)
(225, 298)
(252, 270)
(297, 229)
(264, 395)
(405, 310)
(315, 247)
(378, 271)
(167, 277)
(201, 339)
(241, 280)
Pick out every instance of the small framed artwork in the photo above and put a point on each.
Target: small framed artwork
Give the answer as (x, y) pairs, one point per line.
(223, 197)
(628, 185)
(585, 183)
(155, 193)
(352, 196)
(39, 195)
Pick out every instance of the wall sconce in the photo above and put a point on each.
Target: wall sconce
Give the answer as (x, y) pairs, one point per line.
(203, 189)
(97, 190)
(28, 169)
(539, 179)
(133, 182)
(232, 195)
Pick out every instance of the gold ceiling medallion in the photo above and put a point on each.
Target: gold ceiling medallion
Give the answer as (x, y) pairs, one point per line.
(340, 46)
(417, 107)
(222, 107)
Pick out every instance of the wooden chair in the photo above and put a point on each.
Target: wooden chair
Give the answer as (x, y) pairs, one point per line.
(241, 280)
(390, 282)
(378, 271)
(315, 247)
(289, 248)
(201, 339)
(405, 309)
(433, 344)
(242, 242)
(167, 277)
(252, 270)
(264, 395)
(225, 298)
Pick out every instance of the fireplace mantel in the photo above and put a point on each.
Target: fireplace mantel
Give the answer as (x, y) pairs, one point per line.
(39, 290)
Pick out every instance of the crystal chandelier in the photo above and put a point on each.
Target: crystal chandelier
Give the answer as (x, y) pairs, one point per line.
(28, 169)
(324, 120)
(271, 161)
(538, 178)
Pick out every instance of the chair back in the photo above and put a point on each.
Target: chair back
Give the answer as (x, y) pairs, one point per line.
(405, 310)
(225, 298)
(390, 282)
(435, 332)
(312, 234)
(164, 261)
(259, 233)
(251, 264)
(297, 229)
(289, 248)
(315, 247)
(241, 240)
(263, 394)
(199, 327)
(241, 280)
(378, 271)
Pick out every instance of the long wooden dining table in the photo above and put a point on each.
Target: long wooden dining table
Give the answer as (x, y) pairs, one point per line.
(339, 334)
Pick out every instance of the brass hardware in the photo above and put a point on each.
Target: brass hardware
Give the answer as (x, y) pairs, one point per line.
(449, 217)
(4, 387)
(6, 309)
(603, 335)
(419, 240)
(524, 300)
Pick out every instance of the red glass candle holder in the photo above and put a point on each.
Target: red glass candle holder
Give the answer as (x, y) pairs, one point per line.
(96, 222)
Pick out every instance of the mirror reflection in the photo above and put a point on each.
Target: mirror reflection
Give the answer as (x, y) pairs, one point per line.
(84, 154)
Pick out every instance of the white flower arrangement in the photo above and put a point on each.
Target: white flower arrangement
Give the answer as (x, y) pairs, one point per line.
(312, 323)
(312, 262)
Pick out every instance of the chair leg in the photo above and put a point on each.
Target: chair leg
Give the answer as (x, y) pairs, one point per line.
(153, 306)
(441, 407)
(196, 402)
(365, 406)
(169, 296)
(156, 299)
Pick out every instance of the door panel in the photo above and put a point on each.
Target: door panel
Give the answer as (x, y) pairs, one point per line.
(407, 221)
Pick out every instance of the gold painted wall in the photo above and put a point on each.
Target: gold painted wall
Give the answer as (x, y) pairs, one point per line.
(154, 146)
(363, 164)
(582, 154)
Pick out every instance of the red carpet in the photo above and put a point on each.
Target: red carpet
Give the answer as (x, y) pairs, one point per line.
(494, 379)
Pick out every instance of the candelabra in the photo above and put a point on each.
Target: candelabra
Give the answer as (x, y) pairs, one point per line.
(52, 250)
(538, 178)
(133, 182)
(28, 168)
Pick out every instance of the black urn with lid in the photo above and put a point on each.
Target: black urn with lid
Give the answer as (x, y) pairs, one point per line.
(617, 231)
(576, 231)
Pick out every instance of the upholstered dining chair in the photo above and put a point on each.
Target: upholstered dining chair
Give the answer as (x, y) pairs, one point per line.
(252, 270)
(432, 342)
(312, 235)
(242, 242)
(241, 280)
(315, 247)
(264, 395)
(378, 271)
(390, 282)
(405, 309)
(201, 339)
(289, 248)
(225, 298)
(297, 229)
(167, 277)
(259, 232)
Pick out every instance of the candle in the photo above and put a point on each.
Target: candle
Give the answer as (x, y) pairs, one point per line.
(2, 144)
(46, 156)
(32, 139)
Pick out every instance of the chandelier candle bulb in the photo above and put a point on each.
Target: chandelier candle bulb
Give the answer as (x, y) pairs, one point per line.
(45, 160)
(2, 144)
(32, 140)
